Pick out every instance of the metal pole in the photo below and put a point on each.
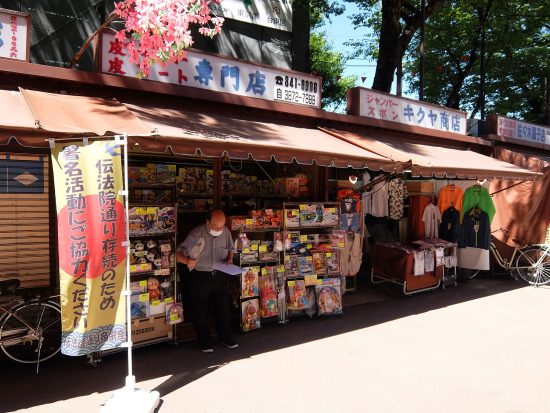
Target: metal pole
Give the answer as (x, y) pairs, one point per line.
(421, 51)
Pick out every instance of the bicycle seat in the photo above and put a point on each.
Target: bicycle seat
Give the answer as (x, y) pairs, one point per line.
(9, 286)
(520, 242)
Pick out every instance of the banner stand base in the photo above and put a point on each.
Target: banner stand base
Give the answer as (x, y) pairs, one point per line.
(130, 399)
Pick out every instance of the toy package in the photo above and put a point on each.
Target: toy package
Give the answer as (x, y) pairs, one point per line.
(166, 174)
(139, 305)
(268, 295)
(250, 317)
(292, 218)
(278, 244)
(236, 222)
(333, 262)
(308, 215)
(166, 220)
(138, 287)
(330, 216)
(292, 267)
(138, 258)
(337, 238)
(329, 297)
(137, 221)
(174, 313)
(249, 282)
(297, 295)
(152, 214)
(319, 263)
(306, 265)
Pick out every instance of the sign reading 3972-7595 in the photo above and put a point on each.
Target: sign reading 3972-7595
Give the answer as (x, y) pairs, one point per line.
(219, 74)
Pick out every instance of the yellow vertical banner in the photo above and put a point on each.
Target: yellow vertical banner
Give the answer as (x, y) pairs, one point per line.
(91, 235)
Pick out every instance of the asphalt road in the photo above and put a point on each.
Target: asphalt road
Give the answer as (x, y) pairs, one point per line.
(479, 347)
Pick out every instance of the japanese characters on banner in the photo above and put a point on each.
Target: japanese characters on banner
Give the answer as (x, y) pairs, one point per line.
(415, 113)
(13, 35)
(269, 13)
(524, 131)
(204, 71)
(92, 258)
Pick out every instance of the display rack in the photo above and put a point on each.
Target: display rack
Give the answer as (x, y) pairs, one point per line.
(313, 246)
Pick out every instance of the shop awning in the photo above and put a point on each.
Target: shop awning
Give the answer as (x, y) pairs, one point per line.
(192, 133)
(29, 116)
(436, 161)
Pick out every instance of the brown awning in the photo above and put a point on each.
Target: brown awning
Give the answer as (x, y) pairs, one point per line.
(190, 133)
(436, 161)
(30, 116)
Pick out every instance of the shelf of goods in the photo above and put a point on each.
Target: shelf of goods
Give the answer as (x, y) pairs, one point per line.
(154, 305)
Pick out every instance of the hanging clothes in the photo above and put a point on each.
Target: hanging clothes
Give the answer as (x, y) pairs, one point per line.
(478, 196)
(450, 196)
(475, 230)
(429, 260)
(351, 255)
(377, 200)
(418, 262)
(397, 192)
(431, 219)
(449, 229)
(417, 204)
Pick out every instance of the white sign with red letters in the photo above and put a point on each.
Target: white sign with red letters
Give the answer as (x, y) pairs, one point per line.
(13, 35)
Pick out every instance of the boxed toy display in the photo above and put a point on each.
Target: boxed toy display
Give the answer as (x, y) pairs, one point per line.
(249, 282)
(166, 174)
(139, 305)
(319, 263)
(292, 267)
(333, 262)
(330, 217)
(297, 295)
(292, 218)
(306, 265)
(137, 220)
(329, 296)
(174, 313)
(268, 294)
(250, 317)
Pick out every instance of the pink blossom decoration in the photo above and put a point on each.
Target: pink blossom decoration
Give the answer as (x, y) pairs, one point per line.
(159, 31)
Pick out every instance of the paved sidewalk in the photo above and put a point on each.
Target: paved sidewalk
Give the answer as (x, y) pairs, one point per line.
(480, 347)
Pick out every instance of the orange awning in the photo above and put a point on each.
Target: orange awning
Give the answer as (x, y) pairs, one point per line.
(190, 133)
(436, 161)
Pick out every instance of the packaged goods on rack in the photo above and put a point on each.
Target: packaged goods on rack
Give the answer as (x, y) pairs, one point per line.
(319, 263)
(333, 262)
(268, 293)
(195, 181)
(329, 296)
(250, 282)
(250, 317)
(139, 305)
(297, 295)
(174, 313)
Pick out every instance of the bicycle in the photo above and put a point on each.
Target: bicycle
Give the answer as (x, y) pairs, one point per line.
(30, 328)
(532, 261)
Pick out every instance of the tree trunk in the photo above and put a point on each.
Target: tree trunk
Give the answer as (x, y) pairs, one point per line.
(388, 47)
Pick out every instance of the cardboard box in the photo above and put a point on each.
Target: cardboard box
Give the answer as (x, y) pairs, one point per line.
(151, 328)
(420, 186)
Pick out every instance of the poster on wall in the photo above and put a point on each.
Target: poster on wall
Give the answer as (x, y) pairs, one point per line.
(91, 233)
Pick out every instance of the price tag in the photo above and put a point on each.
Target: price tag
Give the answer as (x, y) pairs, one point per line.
(328, 254)
(280, 268)
(332, 210)
(340, 245)
(168, 300)
(143, 297)
(174, 317)
(310, 279)
(143, 267)
(257, 270)
(303, 207)
(291, 283)
(263, 248)
(141, 211)
(309, 246)
(264, 271)
(319, 282)
(254, 247)
(210, 202)
(143, 283)
(303, 238)
(133, 268)
(209, 172)
(294, 212)
(246, 250)
(232, 175)
(155, 302)
(249, 222)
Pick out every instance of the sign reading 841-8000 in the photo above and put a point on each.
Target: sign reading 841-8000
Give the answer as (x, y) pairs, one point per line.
(295, 89)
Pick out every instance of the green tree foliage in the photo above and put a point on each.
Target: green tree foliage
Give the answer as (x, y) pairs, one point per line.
(517, 57)
(325, 61)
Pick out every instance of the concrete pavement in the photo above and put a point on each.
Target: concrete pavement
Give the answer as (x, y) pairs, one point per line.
(480, 347)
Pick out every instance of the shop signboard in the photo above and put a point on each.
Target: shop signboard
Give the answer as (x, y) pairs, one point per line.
(91, 238)
(528, 132)
(219, 74)
(276, 14)
(378, 105)
(14, 35)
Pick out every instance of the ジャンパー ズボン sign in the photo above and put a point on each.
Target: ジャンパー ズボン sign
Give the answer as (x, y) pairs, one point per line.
(91, 235)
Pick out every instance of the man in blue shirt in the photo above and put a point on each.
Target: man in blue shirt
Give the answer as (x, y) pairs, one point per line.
(208, 244)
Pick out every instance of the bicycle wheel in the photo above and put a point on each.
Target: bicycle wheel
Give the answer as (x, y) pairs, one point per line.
(533, 266)
(32, 333)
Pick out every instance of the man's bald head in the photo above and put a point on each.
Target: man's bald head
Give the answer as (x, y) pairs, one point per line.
(216, 219)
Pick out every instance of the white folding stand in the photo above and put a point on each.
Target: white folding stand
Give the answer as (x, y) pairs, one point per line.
(129, 399)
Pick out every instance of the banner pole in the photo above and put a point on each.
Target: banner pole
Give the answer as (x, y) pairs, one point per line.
(129, 398)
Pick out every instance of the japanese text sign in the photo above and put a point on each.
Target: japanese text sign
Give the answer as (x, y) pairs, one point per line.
(13, 35)
(204, 71)
(91, 233)
(276, 14)
(409, 112)
(511, 128)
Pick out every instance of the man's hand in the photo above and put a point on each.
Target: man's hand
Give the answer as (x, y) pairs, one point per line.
(191, 263)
